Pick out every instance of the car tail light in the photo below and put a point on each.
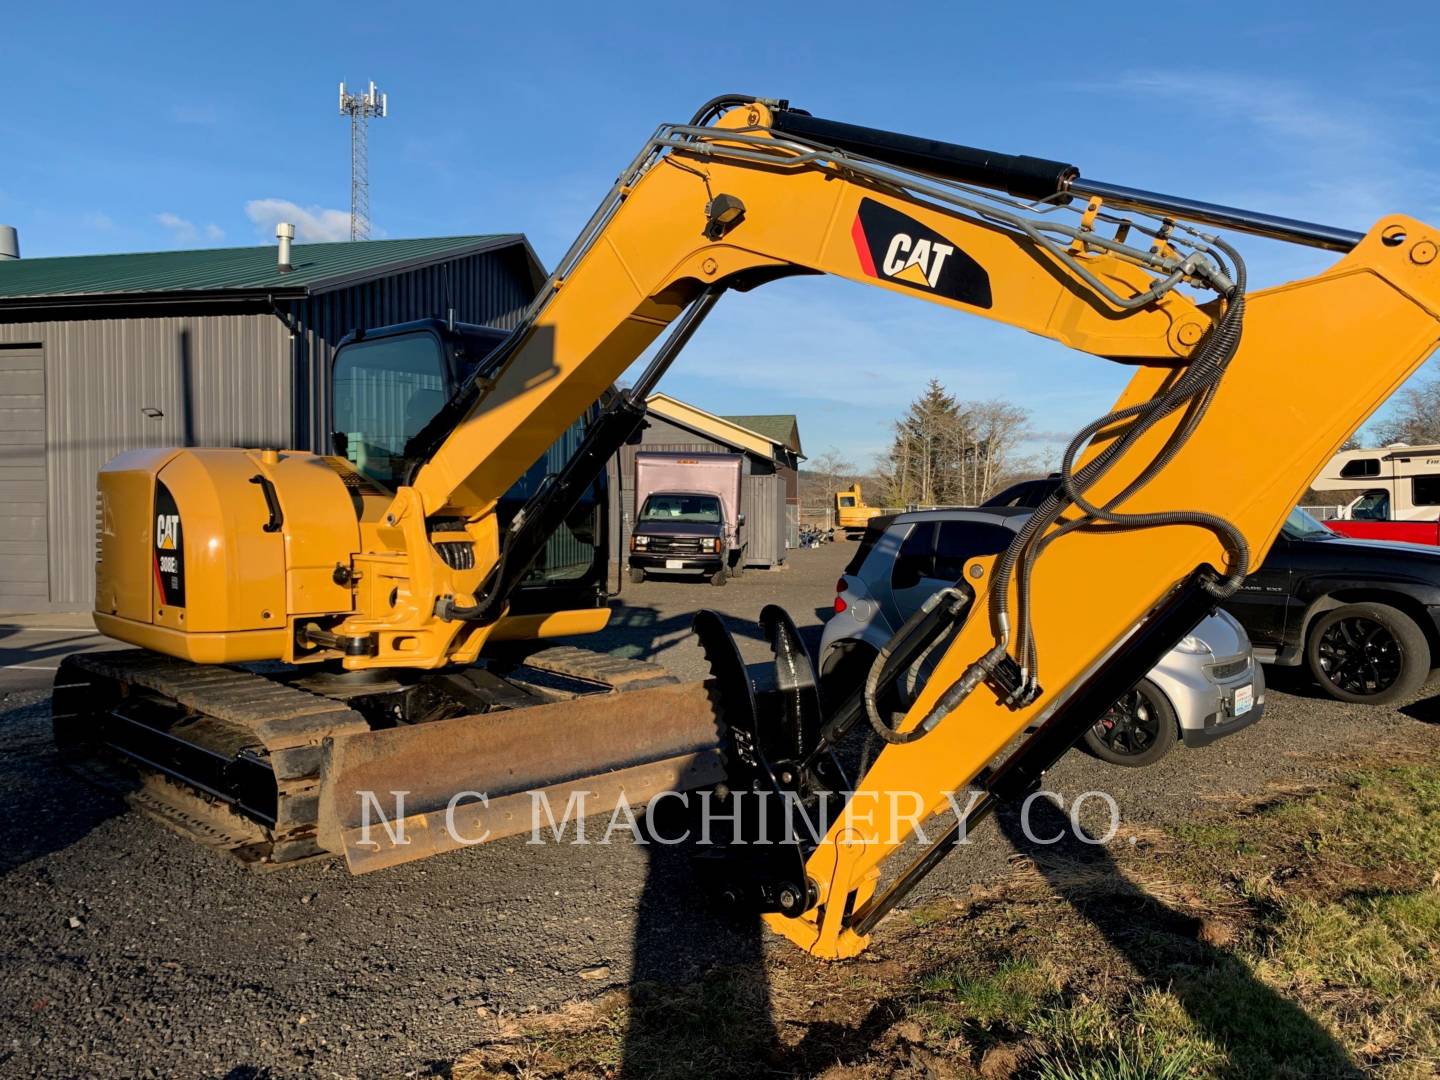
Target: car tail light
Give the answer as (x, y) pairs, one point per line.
(840, 587)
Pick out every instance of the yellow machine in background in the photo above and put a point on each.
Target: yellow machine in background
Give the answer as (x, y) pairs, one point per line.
(851, 513)
(366, 599)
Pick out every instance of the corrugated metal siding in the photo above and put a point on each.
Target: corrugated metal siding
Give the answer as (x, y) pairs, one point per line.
(762, 498)
(492, 288)
(219, 380)
(764, 520)
(24, 574)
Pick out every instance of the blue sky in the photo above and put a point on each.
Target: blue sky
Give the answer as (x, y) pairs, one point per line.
(200, 125)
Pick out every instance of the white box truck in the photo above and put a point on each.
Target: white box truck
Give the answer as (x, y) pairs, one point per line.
(687, 517)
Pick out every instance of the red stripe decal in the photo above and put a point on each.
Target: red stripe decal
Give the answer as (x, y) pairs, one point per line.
(159, 581)
(862, 247)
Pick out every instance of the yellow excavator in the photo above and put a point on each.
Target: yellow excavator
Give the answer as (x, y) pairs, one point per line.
(313, 630)
(851, 513)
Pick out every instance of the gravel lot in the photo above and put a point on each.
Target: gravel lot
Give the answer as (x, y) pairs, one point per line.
(130, 952)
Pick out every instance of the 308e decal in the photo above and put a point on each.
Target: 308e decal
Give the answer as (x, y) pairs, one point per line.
(895, 247)
(169, 552)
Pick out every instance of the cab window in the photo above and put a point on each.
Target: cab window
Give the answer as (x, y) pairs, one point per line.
(385, 391)
(569, 554)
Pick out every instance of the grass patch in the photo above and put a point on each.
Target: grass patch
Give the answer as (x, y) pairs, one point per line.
(1297, 938)
(958, 1000)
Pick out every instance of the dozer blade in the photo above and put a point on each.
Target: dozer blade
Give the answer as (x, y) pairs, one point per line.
(595, 749)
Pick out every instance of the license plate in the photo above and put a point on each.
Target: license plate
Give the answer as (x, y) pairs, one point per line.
(1244, 700)
(674, 564)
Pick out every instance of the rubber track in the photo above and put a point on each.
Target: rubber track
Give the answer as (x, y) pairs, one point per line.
(241, 710)
(249, 711)
(615, 672)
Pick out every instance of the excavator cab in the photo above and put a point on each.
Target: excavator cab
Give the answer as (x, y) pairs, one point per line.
(389, 385)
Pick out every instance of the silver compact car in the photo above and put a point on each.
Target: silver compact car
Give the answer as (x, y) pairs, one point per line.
(1206, 687)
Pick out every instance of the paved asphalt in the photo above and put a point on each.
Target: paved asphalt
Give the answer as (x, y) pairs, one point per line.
(32, 646)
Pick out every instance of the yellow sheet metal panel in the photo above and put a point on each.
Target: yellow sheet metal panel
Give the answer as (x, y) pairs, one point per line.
(320, 528)
(232, 572)
(553, 624)
(124, 571)
(224, 648)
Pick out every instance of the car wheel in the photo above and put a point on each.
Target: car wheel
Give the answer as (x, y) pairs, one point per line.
(1139, 729)
(637, 575)
(1367, 654)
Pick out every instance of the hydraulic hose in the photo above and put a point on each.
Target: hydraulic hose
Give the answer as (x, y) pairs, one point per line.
(1196, 388)
(1193, 390)
(877, 668)
(717, 105)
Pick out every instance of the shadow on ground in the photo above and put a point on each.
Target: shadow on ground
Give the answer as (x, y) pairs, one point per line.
(724, 1022)
(46, 806)
(13, 652)
(1263, 1033)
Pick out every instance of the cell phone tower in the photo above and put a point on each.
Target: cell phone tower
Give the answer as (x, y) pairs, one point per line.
(360, 108)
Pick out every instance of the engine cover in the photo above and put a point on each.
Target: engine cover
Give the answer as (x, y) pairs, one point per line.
(193, 562)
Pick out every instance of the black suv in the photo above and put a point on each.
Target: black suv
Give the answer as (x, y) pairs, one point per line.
(1363, 615)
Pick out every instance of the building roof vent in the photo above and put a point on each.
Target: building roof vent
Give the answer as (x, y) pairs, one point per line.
(9, 243)
(285, 232)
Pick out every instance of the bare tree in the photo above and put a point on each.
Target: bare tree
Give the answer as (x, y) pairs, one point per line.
(824, 474)
(1416, 419)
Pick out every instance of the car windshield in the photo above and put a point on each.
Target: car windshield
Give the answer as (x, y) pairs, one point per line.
(698, 509)
(1301, 526)
(1372, 506)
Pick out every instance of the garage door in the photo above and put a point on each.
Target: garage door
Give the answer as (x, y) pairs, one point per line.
(24, 563)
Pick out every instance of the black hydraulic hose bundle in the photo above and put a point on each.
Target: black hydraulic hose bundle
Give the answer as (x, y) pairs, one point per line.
(1193, 390)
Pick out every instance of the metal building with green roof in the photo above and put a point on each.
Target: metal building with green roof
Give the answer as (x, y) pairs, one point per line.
(221, 347)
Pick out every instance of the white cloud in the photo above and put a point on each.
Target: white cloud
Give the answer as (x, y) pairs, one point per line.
(183, 231)
(99, 222)
(312, 223)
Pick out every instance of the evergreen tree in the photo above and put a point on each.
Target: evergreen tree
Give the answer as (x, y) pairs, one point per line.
(950, 453)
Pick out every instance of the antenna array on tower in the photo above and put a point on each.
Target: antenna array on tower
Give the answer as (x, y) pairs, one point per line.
(360, 108)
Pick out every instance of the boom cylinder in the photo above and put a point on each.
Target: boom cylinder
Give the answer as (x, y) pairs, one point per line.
(1043, 178)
